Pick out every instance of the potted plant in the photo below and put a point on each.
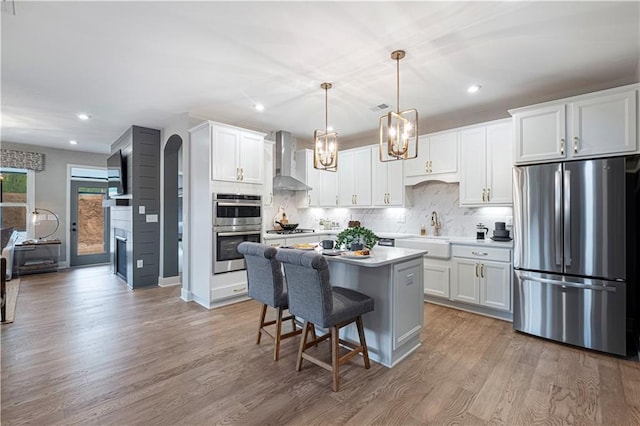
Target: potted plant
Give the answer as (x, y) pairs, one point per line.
(356, 238)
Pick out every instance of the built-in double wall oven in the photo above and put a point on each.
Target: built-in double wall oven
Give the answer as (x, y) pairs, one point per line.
(236, 218)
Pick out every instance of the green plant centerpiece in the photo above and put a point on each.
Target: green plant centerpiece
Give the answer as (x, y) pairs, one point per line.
(357, 235)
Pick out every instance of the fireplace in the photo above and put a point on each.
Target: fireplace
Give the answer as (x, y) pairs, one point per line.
(121, 257)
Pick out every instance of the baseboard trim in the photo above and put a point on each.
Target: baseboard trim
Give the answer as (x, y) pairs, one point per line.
(169, 281)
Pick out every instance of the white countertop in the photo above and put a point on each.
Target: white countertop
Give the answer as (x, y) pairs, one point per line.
(380, 256)
(396, 235)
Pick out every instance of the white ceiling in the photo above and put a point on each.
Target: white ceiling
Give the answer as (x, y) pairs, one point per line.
(143, 62)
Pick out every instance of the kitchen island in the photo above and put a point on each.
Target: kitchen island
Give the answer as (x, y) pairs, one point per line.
(393, 277)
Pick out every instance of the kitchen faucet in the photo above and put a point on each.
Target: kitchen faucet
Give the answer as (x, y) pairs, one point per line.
(435, 223)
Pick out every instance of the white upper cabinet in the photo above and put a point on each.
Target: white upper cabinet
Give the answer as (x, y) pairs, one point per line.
(306, 173)
(604, 125)
(354, 177)
(328, 188)
(485, 164)
(437, 159)
(387, 181)
(236, 154)
(267, 191)
(598, 124)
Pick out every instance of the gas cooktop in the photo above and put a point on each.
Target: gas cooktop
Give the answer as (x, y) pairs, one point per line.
(291, 231)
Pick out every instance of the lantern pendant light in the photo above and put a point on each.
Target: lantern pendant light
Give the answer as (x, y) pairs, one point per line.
(398, 130)
(325, 151)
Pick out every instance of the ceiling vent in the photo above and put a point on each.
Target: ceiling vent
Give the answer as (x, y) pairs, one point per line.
(379, 107)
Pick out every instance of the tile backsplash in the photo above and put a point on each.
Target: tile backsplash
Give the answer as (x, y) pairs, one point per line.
(441, 197)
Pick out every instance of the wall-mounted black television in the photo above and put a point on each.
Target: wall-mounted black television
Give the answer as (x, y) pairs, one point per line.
(117, 174)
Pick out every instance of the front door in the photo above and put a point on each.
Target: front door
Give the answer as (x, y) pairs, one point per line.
(89, 223)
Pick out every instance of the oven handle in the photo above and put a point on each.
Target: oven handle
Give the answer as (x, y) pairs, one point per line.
(227, 204)
(232, 234)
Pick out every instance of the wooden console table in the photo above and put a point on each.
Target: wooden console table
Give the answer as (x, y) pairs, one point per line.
(36, 256)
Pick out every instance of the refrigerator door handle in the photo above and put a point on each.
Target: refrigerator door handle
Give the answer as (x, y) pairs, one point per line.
(567, 218)
(558, 217)
(568, 284)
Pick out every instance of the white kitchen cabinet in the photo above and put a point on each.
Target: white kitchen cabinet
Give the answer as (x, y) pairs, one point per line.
(236, 154)
(482, 276)
(328, 189)
(387, 182)
(354, 178)
(485, 164)
(603, 125)
(267, 192)
(437, 274)
(593, 125)
(306, 173)
(437, 159)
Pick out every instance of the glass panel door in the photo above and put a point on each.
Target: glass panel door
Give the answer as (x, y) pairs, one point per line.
(89, 224)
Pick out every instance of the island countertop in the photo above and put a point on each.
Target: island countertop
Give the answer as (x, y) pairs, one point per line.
(380, 256)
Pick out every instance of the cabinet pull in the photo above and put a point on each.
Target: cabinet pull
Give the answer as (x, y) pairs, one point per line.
(336, 200)
(271, 198)
(308, 199)
(241, 173)
(426, 167)
(237, 173)
(388, 198)
(484, 195)
(488, 194)
(477, 253)
(477, 264)
(575, 145)
(562, 146)
(482, 270)
(238, 290)
(430, 166)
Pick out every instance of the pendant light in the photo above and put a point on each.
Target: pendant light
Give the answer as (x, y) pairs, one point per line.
(325, 151)
(398, 130)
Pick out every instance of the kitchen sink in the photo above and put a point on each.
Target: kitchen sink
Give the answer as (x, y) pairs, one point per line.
(437, 247)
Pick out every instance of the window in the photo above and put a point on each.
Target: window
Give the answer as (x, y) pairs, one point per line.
(16, 194)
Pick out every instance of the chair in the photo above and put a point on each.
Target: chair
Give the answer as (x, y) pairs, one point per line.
(312, 298)
(266, 285)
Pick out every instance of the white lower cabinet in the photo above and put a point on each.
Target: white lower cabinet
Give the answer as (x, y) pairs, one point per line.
(437, 275)
(482, 276)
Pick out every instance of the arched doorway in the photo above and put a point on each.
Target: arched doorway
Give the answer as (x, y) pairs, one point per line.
(172, 207)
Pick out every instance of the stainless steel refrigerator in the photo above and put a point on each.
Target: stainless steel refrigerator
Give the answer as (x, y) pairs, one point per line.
(576, 251)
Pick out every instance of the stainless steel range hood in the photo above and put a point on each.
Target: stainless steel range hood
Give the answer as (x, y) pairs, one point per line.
(284, 179)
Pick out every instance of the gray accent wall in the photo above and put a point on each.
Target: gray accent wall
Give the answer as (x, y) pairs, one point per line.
(141, 148)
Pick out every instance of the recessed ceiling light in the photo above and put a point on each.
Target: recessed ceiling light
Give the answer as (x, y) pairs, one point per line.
(83, 116)
(73, 142)
(474, 88)
(259, 107)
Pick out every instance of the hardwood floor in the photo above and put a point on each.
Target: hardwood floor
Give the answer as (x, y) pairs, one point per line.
(86, 350)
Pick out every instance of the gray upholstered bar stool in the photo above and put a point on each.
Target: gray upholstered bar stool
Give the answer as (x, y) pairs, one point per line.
(266, 285)
(312, 298)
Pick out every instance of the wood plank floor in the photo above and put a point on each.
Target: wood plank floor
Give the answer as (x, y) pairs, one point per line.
(86, 350)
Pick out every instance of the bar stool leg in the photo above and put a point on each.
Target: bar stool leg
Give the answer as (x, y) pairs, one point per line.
(261, 323)
(363, 342)
(303, 343)
(276, 350)
(335, 361)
